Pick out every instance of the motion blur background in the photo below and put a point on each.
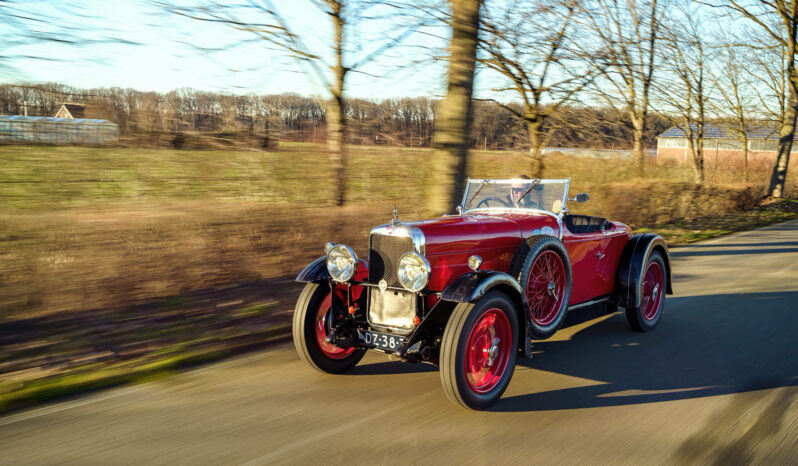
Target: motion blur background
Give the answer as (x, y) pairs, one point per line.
(167, 168)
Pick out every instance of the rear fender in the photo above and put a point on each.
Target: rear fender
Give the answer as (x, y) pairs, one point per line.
(632, 264)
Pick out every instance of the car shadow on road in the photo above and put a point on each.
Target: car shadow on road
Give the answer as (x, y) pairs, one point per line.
(391, 367)
(703, 346)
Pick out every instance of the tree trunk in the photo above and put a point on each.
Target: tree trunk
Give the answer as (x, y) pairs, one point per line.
(535, 148)
(637, 147)
(745, 154)
(336, 118)
(699, 161)
(450, 159)
(786, 135)
(336, 127)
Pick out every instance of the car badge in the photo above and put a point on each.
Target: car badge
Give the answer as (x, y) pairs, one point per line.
(383, 286)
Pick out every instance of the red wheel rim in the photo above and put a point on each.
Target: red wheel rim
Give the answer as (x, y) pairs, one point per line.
(323, 325)
(488, 351)
(652, 291)
(545, 287)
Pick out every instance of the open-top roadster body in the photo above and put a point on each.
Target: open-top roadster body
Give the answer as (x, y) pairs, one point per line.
(469, 291)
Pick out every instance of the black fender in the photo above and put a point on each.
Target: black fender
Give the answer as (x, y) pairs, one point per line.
(631, 267)
(469, 287)
(315, 272)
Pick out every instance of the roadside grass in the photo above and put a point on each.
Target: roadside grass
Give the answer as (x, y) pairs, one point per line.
(681, 232)
(119, 265)
(17, 395)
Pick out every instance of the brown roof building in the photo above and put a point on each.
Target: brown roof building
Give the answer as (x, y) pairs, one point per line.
(71, 111)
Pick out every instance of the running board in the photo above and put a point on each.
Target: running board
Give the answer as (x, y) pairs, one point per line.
(588, 310)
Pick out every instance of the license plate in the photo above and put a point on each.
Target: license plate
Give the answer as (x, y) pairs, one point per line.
(379, 340)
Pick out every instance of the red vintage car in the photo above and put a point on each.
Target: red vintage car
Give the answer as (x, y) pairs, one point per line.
(469, 291)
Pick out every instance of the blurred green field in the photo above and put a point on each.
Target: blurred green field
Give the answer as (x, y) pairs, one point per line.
(42, 178)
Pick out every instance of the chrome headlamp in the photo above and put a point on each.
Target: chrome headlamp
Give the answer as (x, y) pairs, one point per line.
(413, 271)
(341, 263)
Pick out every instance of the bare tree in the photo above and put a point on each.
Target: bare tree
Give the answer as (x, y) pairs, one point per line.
(263, 19)
(540, 63)
(453, 125)
(778, 19)
(626, 32)
(736, 104)
(684, 91)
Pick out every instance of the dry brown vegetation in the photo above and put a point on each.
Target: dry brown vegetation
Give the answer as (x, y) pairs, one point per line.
(88, 232)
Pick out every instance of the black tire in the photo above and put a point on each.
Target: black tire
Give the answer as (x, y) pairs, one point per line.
(304, 333)
(520, 268)
(455, 349)
(640, 317)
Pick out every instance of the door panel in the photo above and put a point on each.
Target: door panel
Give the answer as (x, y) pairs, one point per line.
(583, 250)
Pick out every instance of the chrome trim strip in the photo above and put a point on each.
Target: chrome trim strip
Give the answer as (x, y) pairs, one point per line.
(403, 230)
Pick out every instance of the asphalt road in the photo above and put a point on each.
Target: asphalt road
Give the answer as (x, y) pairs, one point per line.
(716, 381)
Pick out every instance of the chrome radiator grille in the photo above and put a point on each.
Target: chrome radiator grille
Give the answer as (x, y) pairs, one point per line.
(384, 254)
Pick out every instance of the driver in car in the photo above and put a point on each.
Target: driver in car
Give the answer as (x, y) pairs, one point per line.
(517, 191)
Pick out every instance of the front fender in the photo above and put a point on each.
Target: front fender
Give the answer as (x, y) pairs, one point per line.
(632, 264)
(317, 271)
(466, 288)
(469, 287)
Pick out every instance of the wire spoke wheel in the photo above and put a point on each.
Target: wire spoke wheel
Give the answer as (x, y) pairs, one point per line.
(545, 288)
(653, 292)
(646, 307)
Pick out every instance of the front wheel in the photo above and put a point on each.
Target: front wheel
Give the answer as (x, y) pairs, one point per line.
(314, 318)
(478, 351)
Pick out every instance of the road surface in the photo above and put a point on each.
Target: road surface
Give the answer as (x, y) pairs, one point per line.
(716, 381)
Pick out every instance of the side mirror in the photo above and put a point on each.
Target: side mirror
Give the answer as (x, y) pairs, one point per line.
(459, 210)
(581, 197)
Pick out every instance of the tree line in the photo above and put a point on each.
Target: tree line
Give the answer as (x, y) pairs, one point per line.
(407, 121)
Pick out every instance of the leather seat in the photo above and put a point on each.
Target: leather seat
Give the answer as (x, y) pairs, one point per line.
(580, 224)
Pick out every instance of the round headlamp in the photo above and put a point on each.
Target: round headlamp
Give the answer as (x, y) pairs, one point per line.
(341, 263)
(413, 271)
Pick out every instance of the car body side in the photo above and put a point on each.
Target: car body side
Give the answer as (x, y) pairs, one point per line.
(449, 241)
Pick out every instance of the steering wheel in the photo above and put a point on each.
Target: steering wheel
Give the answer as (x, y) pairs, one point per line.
(503, 202)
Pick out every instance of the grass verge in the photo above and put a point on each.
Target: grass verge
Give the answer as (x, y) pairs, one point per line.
(100, 376)
(690, 231)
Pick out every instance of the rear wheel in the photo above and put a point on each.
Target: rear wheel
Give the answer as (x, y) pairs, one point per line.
(314, 318)
(652, 300)
(478, 351)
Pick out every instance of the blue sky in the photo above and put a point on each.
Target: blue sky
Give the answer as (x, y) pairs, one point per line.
(170, 55)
